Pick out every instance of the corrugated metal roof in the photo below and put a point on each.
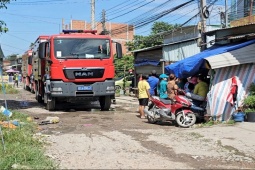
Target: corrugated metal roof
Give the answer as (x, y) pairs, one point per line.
(230, 28)
(148, 48)
(242, 55)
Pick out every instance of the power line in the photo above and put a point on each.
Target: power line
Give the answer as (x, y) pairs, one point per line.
(124, 8)
(46, 2)
(131, 10)
(153, 18)
(12, 46)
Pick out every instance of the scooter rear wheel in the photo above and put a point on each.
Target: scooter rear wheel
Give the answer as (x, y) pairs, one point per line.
(187, 121)
(151, 119)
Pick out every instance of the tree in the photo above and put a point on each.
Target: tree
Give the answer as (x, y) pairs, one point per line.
(3, 3)
(159, 27)
(123, 64)
(153, 39)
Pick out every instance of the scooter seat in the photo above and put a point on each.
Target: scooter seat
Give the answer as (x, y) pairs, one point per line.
(166, 101)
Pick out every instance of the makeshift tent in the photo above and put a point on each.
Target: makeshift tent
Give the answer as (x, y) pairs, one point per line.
(218, 56)
(232, 60)
(218, 105)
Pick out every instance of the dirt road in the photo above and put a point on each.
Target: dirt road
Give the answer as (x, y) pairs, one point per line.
(118, 139)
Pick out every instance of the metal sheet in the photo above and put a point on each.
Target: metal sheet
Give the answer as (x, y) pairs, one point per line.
(240, 56)
(177, 52)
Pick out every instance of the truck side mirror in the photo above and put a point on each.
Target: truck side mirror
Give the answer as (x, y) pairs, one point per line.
(118, 50)
(42, 50)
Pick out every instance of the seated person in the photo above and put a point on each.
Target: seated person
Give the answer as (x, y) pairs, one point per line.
(193, 81)
(200, 91)
(162, 86)
(172, 87)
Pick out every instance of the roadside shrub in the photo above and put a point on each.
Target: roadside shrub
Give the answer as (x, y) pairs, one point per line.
(8, 88)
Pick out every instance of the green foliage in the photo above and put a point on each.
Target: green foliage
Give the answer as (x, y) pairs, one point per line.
(22, 148)
(249, 101)
(160, 27)
(153, 39)
(123, 64)
(8, 89)
(3, 27)
(252, 89)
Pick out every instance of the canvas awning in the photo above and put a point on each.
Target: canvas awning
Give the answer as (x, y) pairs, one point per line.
(146, 62)
(217, 56)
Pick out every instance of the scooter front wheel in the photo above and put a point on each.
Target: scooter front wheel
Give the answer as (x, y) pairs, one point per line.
(185, 120)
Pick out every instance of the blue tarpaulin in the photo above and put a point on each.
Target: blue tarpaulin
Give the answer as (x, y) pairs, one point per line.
(146, 62)
(192, 65)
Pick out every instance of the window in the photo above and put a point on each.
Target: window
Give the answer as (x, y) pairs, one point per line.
(77, 48)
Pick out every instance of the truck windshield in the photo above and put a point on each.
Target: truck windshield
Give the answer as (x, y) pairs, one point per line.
(76, 48)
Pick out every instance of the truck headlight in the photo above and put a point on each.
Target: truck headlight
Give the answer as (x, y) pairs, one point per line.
(57, 90)
(110, 88)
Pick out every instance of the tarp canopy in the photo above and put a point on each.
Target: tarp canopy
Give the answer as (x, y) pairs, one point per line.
(194, 64)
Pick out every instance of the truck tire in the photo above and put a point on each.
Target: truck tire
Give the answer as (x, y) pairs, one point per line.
(37, 96)
(50, 105)
(31, 88)
(25, 85)
(105, 103)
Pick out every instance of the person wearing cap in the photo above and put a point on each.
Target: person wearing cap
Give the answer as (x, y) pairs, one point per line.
(162, 86)
(153, 81)
(172, 87)
(143, 95)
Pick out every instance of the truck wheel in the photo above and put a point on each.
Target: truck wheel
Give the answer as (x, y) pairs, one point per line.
(105, 103)
(50, 105)
(37, 96)
(25, 85)
(27, 88)
(31, 88)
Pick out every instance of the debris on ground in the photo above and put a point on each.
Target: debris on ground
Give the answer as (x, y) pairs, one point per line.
(50, 120)
(5, 111)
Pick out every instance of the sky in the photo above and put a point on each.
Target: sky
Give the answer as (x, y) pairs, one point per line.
(27, 19)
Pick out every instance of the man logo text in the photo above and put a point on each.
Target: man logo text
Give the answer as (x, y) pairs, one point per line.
(84, 74)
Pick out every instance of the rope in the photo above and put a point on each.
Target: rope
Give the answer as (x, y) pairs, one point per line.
(3, 89)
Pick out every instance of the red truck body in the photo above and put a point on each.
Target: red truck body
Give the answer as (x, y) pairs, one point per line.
(75, 66)
(26, 68)
(27, 65)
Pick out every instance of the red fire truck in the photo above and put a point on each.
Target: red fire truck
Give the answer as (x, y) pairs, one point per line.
(75, 66)
(27, 68)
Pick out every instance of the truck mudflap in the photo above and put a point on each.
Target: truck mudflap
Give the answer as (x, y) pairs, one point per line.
(69, 89)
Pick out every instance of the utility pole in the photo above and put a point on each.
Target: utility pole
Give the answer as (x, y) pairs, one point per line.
(226, 13)
(203, 23)
(92, 14)
(251, 11)
(104, 31)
